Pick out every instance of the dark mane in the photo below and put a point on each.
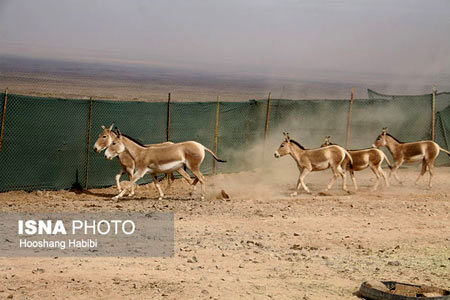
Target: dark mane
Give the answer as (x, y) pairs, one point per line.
(130, 138)
(394, 138)
(297, 143)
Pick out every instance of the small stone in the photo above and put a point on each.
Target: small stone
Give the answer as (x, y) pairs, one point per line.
(192, 260)
(38, 270)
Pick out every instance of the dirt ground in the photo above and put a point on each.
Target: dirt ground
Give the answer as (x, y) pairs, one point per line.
(260, 244)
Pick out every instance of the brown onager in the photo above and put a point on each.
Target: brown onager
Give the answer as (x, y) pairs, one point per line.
(319, 159)
(105, 139)
(164, 159)
(362, 159)
(427, 151)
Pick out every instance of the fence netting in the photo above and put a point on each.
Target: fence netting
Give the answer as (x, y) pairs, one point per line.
(47, 143)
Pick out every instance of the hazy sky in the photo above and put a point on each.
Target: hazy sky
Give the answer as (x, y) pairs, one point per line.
(278, 36)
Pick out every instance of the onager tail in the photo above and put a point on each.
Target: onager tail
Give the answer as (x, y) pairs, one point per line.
(442, 149)
(387, 160)
(215, 157)
(350, 159)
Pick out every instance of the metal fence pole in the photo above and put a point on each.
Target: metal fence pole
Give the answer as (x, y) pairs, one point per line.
(433, 112)
(3, 118)
(88, 141)
(168, 119)
(347, 141)
(216, 133)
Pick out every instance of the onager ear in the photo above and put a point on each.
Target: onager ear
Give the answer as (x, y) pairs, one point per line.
(384, 131)
(103, 127)
(327, 139)
(111, 127)
(119, 134)
(286, 136)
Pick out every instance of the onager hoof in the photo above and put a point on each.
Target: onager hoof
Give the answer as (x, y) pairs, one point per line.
(160, 198)
(202, 198)
(293, 194)
(115, 198)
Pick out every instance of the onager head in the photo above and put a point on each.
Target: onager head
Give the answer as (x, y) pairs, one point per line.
(104, 138)
(285, 147)
(116, 147)
(381, 139)
(326, 142)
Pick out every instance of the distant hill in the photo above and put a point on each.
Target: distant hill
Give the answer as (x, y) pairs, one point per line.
(72, 79)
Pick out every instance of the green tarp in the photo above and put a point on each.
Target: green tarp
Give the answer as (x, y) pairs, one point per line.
(45, 139)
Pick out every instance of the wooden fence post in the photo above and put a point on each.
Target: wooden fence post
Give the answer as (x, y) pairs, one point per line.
(266, 126)
(347, 141)
(216, 134)
(168, 118)
(88, 141)
(3, 119)
(433, 112)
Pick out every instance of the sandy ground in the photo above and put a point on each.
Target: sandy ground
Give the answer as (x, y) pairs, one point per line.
(260, 244)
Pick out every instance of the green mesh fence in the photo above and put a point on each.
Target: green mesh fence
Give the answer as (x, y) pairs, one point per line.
(442, 104)
(443, 133)
(44, 142)
(45, 139)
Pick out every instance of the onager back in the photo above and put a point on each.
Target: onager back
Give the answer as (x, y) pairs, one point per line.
(314, 160)
(362, 159)
(427, 151)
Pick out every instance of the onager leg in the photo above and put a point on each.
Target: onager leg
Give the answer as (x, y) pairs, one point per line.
(344, 178)
(193, 186)
(130, 172)
(376, 171)
(386, 181)
(300, 181)
(335, 176)
(199, 177)
(157, 186)
(394, 171)
(170, 180)
(136, 176)
(118, 179)
(430, 169)
(352, 175)
(423, 171)
(185, 175)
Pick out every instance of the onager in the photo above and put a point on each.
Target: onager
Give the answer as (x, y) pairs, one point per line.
(427, 151)
(314, 160)
(105, 139)
(155, 160)
(362, 159)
